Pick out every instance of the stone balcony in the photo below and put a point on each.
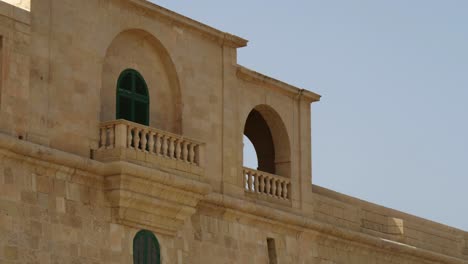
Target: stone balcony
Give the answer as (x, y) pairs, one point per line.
(127, 141)
(265, 186)
(157, 178)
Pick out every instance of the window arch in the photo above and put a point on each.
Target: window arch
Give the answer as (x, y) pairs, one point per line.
(146, 248)
(132, 97)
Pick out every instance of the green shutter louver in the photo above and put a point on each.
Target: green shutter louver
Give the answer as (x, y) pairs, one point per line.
(132, 98)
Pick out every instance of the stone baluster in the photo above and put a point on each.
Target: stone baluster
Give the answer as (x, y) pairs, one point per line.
(151, 142)
(158, 144)
(185, 151)
(285, 191)
(280, 188)
(192, 153)
(172, 148)
(143, 140)
(249, 173)
(268, 185)
(129, 136)
(136, 138)
(103, 137)
(246, 180)
(262, 183)
(273, 186)
(165, 145)
(111, 136)
(255, 176)
(178, 150)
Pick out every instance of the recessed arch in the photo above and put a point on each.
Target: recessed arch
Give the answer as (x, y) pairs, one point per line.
(141, 51)
(268, 134)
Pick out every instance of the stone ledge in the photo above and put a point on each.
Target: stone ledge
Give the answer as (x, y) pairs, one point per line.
(140, 197)
(150, 161)
(261, 79)
(377, 220)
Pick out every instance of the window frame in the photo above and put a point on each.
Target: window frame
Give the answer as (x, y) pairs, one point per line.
(132, 95)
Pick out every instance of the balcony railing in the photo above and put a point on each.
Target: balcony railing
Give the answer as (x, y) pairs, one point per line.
(266, 184)
(124, 134)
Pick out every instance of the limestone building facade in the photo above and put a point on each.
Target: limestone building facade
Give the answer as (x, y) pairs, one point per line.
(121, 127)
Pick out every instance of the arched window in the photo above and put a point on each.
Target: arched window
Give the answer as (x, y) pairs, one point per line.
(132, 98)
(146, 248)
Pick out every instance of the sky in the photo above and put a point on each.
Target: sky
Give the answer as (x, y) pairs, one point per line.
(392, 125)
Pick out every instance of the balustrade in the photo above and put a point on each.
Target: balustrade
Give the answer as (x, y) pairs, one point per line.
(266, 184)
(126, 134)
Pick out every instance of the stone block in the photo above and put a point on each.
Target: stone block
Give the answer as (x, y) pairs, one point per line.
(60, 204)
(10, 253)
(44, 184)
(60, 187)
(29, 197)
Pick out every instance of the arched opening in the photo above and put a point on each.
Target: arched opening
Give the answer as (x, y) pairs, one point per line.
(268, 135)
(147, 57)
(132, 98)
(146, 248)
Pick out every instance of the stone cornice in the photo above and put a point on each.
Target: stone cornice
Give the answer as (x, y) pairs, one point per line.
(218, 35)
(263, 80)
(305, 224)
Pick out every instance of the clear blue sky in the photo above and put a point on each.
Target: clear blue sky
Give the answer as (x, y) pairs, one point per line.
(392, 126)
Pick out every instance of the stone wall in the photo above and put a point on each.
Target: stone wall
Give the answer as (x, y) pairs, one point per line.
(59, 64)
(51, 213)
(15, 39)
(354, 214)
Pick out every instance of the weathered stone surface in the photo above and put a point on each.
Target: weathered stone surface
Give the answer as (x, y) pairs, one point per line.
(77, 185)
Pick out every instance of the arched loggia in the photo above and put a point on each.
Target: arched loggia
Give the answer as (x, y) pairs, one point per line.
(265, 129)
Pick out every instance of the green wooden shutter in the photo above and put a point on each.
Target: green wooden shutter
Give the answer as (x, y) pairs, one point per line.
(132, 97)
(146, 248)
